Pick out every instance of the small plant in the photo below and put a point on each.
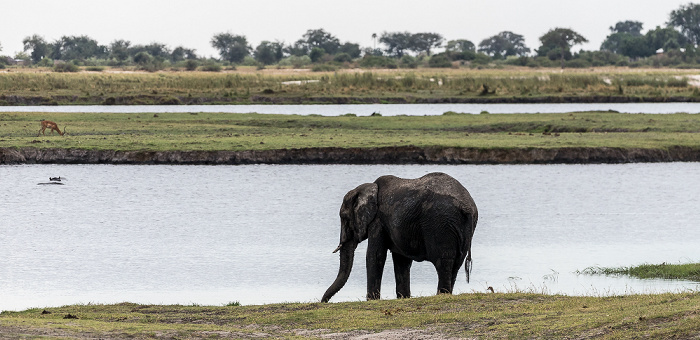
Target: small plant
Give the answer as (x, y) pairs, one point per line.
(211, 67)
(233, 304)
(65, 67)
(191, 65)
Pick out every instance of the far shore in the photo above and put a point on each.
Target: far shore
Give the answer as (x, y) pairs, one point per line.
(383, 155)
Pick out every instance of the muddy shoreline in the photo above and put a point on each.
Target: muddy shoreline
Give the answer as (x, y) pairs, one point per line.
(383, 155)
(13, 100)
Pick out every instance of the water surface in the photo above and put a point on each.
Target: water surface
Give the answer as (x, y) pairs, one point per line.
(264, 233)
(368, 109)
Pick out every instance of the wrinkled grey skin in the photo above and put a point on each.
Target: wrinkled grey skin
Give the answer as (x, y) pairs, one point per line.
(431, 218)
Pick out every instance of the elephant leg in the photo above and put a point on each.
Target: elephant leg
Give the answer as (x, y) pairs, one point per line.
(376, 258)
(402, 273)
(445, 275)
(455, 272)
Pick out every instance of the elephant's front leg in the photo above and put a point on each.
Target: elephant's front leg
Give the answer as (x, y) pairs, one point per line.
(402, 273)
(376, 258)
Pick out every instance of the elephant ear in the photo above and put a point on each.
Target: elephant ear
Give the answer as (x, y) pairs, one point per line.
(365, 209)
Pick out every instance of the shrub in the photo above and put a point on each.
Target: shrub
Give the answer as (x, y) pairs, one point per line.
(408, 61)
(295, 61)
(316, 54)
(142, 58)
(95, 68)
(373, 61)
(342, 57)
(211, 67)
(191, 65)
(439, 61)
(577, 63)
(65, 67)
(324, 68)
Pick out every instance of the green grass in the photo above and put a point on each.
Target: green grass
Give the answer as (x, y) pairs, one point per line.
(378, 85)
(688, 271)
(231, 131)
(509, 315)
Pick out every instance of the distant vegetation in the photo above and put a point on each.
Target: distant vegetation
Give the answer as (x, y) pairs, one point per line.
(674, 45)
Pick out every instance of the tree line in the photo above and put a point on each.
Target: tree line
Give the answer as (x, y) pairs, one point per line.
(624, 46)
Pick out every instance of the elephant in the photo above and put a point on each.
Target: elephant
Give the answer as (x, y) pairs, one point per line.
(431, 218)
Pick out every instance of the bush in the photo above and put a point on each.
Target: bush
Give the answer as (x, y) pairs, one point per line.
(373, 61)
(408, 61)
(295, 61)
(324, 68)
(342, 57)
(191, 65)
(439, 61)
(577, 63)
(142, 58)
(65, 67)
(211, 67)
(95, 68)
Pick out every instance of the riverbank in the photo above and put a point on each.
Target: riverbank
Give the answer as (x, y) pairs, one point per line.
(476, 315)
(385, 155)
(451, 138)
(352, 86)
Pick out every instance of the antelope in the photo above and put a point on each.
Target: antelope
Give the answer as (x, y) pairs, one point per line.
(51, 126)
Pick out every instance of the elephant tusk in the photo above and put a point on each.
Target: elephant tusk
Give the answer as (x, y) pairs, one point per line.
(336, 249)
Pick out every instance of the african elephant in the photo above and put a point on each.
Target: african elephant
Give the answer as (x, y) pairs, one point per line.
(431, 218)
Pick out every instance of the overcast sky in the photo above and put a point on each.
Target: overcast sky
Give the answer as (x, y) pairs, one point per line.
(193, 23)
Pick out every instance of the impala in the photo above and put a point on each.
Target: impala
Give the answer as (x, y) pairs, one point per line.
(47, 124)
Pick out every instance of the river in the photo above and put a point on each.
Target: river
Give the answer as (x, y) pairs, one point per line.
(264, 233)
(368, 109)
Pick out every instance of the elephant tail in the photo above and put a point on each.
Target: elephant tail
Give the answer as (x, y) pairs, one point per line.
(468, 263)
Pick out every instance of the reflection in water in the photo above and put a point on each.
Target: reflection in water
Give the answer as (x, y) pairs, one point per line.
(368, 109)
(263, 234)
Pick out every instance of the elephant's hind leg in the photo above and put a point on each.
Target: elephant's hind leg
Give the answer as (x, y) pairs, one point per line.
(445, 275)
(402, 274)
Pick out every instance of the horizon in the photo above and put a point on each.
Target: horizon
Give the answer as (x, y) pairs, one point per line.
(180, 24)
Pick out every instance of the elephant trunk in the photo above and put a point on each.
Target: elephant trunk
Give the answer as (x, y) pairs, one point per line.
(347, 255)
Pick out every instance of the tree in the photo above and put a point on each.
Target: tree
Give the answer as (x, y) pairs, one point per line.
(77, 47)
(158, 50)
(504, 44)
(268, 52)
(321, 39)
(298, 49)
(142, 58)
(38, 46)
(396, 42)
(687, 19)
(231, 47)
(180, 53)
(665, 38)
(633, 28)
(119, 50)
(424, 42)
(561, 39)
(316, 54)
(460, 45)
(353, 50)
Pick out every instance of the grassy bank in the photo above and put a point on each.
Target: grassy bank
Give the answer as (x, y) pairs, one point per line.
(687, 271)
(230, 131)
(510, 315)
(346, 86)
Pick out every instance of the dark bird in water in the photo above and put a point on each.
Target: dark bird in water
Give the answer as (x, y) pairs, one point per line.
(55, 179)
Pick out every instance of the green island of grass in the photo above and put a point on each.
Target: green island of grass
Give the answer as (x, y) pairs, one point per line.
(687, 271)
(258, 132)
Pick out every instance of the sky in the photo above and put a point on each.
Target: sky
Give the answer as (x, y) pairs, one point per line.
(192, 24)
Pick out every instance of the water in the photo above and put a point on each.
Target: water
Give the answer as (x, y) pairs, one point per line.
(368, 109)
(264, 233)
